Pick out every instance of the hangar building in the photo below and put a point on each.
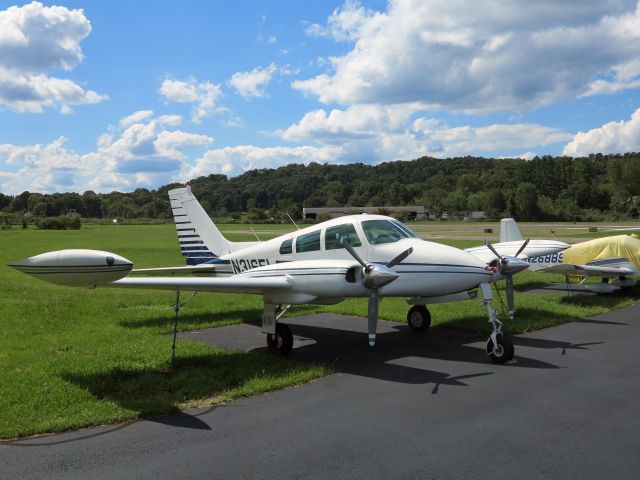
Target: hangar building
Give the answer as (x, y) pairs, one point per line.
(413, 212)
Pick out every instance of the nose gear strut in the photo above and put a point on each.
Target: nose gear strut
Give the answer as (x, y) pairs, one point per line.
(499, 346)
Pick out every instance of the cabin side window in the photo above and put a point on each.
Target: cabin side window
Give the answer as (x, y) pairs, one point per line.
(346, 231)
(309, 242)
(286, 247)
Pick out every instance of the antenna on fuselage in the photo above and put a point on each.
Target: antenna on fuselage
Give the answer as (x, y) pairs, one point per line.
(293, 221)
(254, 232)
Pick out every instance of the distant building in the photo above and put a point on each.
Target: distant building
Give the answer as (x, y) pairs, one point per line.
(477, 215)
(413, 212)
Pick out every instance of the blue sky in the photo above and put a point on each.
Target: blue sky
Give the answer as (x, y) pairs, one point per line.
(118, 95)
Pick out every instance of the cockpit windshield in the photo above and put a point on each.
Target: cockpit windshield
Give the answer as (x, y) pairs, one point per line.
(385, 231)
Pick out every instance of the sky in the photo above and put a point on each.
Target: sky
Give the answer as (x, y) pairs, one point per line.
(119, 95)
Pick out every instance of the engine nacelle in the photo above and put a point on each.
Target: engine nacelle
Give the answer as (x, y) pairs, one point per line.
(75, 267)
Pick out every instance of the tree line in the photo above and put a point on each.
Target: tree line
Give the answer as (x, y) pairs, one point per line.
(597, 187)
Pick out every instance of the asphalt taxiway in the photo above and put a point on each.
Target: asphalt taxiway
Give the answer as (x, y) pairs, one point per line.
(415, 406)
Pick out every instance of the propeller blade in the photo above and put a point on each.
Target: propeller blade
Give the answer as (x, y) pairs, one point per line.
(490, 247)
(509, 289)
(343, 241)
(524, 245)
(373, 317)
(400, 258)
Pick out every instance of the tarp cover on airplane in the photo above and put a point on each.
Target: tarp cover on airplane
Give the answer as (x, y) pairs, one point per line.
(601, 248)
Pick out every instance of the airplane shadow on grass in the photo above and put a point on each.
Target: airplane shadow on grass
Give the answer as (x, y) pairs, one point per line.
(191, 321)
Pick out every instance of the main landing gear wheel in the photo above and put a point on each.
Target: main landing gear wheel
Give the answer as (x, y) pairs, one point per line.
(419, 318)
(282, 342)
(503, 351)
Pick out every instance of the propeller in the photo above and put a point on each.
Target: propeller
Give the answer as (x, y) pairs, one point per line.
(524, 245)
(373, 277)
(508, 266)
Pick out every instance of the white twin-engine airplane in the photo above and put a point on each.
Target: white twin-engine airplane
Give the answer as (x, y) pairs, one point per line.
(369, 256)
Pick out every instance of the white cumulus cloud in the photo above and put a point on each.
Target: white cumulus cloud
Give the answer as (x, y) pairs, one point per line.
(238, 159)
(142, 150)
(490, 138)
(33, 40)
(357, 121)
(135, 117)
(202, 95)
(479, 56)
(344, 24)
(252, 84)
(612, 137)
(374, 133)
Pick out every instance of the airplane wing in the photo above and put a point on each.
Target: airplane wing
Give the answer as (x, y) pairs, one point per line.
(201, 268)
(610, 267)
(210, 284)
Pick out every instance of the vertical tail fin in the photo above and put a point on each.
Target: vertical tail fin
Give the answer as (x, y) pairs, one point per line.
(200, 240)
(509, 231)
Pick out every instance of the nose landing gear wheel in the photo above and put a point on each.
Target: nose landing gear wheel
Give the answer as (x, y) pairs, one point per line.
(419, 318)
(282, 342)
(503, 351)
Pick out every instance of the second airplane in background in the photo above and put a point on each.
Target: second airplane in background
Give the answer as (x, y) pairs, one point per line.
(512, 250)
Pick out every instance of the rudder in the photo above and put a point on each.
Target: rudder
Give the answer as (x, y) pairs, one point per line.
(200, 240)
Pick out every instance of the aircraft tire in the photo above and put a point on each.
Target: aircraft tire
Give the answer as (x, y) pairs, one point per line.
(419, 318)
(505, 349)
(282, 342)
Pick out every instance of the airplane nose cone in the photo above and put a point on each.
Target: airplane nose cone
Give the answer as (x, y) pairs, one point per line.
(514, 265)
(378, 276)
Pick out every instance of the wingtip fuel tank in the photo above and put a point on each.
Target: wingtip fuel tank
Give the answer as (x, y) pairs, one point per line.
(75, 267)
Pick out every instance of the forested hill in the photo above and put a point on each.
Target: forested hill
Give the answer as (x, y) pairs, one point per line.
(562, 188)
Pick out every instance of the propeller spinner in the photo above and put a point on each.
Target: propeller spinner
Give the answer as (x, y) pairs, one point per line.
(507, 266)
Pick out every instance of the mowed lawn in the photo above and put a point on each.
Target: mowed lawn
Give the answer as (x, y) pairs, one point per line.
(73, 357)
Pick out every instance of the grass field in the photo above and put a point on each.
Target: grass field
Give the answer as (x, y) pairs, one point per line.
(73, 357)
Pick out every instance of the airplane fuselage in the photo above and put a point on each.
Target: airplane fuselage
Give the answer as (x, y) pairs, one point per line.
(317, 262)
(536, 251)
